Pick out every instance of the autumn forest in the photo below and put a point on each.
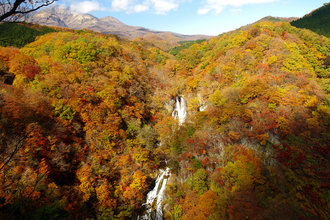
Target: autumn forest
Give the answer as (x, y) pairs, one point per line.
(86, 123)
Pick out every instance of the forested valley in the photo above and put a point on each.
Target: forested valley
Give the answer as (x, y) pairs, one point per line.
(86, 123)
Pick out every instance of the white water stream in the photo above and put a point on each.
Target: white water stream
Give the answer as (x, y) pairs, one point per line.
(180, 110)
(155, 197)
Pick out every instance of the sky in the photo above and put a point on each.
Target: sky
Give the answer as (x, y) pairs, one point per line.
(208, 17)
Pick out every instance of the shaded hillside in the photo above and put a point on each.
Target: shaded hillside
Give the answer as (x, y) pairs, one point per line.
(88, 122)
(20, 34)
(317, 21)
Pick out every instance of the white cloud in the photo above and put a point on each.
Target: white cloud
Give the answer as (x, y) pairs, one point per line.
(155, 6)
(121, 5)
(164, 6)
(219, 5)
(86, 6)
(140, 8)
(203, 11)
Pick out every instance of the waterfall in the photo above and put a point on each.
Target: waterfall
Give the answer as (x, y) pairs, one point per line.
(202, 108)
(156, 196)
(161, 195)
(154, 208)
(180, 110)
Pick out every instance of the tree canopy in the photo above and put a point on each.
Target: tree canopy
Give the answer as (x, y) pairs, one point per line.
(87, 123)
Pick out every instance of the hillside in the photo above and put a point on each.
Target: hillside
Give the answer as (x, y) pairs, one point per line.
(255, 144)
(317, 21)
(88, 122)
(20, 34)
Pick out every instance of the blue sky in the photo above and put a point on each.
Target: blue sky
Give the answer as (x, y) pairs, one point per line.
(210, 17)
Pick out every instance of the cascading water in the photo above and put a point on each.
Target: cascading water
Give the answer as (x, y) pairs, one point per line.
(161, 194)
(180, 110)
(156, 196)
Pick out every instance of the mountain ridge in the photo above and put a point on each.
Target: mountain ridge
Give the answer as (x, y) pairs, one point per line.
(64, 17)
(277, 19)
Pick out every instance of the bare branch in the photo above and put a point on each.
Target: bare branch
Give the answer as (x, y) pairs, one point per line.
(37, 8)
(17, 8)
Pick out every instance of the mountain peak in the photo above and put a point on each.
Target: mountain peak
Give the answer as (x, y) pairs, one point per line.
(61, 16)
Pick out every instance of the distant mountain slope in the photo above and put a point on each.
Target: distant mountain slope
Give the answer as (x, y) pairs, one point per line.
(64, 17)
(277, 19)
(317, 21)
(264, 19)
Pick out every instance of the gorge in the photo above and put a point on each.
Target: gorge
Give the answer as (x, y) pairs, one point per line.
(94, 126)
